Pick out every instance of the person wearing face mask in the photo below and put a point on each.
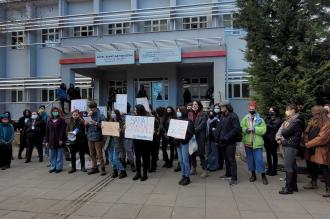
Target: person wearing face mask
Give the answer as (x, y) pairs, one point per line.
(254, 128)
(183, 146)
(95, 138)
(289, 136)
(273, 122)
(6, 140)
(20, 126)
(35, 132)
(76, 126)
(217, 112)
(55, 138)
(170, 114)
(199, 119)
(115, 147)
(213, 148)
(317, 142)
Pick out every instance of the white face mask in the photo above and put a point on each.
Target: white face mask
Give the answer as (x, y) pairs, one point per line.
(217, 110)
(34, 116)
(178, 114)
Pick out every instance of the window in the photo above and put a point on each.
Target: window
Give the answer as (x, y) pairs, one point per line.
(17, 96)
(17, 39)
(156, 25)
(50, 36)
(87, 93)
(47, 95)
(194, 22)
(119, 28)
(238, 90)
(119, 86)
(197, 87)
(226, 20)
(83, 31)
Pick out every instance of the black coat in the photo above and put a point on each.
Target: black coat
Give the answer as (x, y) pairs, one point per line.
(228, 129)
(189, 133)
(212, 130)
(273, 125)
(200, 126)
(35, 128)
(56, 133)
(292, 132)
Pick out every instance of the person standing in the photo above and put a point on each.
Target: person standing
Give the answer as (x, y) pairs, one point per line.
(217, 112)
(199, 118)
(72, 94)
(186, 96)
(35, 132)
(183, 146)
(62, 96)
(289, 136)
(228, 133)
(169, 114)
(213, 147)
(142, 92)
(6, 140)
(141, 149)
(20, 126)
(95, 138)
(273, 122)
(254, 128)
(55, 138)
(76, 126)
(155, 144)
(42, 113)
(128, 144)
(317, 142)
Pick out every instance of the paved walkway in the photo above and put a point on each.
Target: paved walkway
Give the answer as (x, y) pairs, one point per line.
(29, 191)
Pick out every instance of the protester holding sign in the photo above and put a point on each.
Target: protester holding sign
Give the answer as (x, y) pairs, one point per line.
(183, 146)
(95, 139)
(115, 147)
(170, 114)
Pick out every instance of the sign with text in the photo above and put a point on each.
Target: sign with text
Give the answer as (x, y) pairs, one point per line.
(121, 103)
(143, 101)
(139, 127)
(160, 55)
(110, 128)
(80, 105)
(115, 58)
(177, 129)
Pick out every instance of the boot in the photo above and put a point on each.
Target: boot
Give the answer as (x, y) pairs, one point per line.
(204, 174)
(186, 181)
(264, 179)
(253, 177)
(93, 171)
(114, 173)
(72, 171)
(274, 170)
(294, 183)
(327, 193)
(145, 176)
(288, 185)
(178, 168)
(193, 171)
(103, 173)
(122, 174)
(137, 176)
(311, 185)
(182, 179)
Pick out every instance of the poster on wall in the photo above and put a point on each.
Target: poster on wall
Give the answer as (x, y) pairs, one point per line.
(80, 105)
(121, 103)
(177, 129)
(123, 57)
(143, 101)
(139, 127)
(159, 55)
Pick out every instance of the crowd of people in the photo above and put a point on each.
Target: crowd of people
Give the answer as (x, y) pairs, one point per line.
(216, 133)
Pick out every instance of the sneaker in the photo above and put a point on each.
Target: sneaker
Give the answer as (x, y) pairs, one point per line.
(52, 171)
(122, 175)
(72, 171)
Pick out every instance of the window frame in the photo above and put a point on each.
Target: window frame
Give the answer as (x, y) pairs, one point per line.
(122, 28)
(48, 99)
(198, 22)
(88, 29)
(17, 38)
(55, 33)
(241, 84)
(15, 96)
(156, 26)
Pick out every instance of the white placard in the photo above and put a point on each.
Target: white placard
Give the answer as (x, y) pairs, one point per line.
(80, 104)
(160, 55)
(103, 111)
(139, 127)
(115, 58)
(177, 129)
(143, 101)
(121, 103)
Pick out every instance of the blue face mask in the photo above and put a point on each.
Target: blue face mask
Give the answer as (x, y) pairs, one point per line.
(178, 114)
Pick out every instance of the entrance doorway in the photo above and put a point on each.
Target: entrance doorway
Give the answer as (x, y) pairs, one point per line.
(156, 90)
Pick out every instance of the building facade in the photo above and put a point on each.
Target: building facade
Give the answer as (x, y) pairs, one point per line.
(175, 44)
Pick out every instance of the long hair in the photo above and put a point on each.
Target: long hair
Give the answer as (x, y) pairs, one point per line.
(173, 113)
(200, 105)
(59, 113)
(118, 115)
(184, 111)
(140, 110)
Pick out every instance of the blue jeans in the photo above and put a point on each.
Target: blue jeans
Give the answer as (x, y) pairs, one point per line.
(56, 158)
(212, 156)
(113, 156)
(255, 159)
(183, 155)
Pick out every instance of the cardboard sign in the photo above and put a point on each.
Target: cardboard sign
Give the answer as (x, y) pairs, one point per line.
(110, 128)
(103, 111)
(121, 103)
(143, 101)
(139, 127)
(80, 105)
(177, 129)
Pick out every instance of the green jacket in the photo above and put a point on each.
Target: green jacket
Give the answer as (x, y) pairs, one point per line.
(255, 138)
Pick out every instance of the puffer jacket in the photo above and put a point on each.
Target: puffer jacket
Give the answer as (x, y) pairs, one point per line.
(94, 132)
(253, 139)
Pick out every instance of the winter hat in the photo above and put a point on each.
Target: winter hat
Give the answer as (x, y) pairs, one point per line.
(253, 103)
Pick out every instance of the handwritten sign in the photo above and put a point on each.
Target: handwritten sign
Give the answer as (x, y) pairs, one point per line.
(140, 127)
(80, 105)
(143, 101)
(110, 128)
(121, 103)
(177, 129)
(103, 110)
